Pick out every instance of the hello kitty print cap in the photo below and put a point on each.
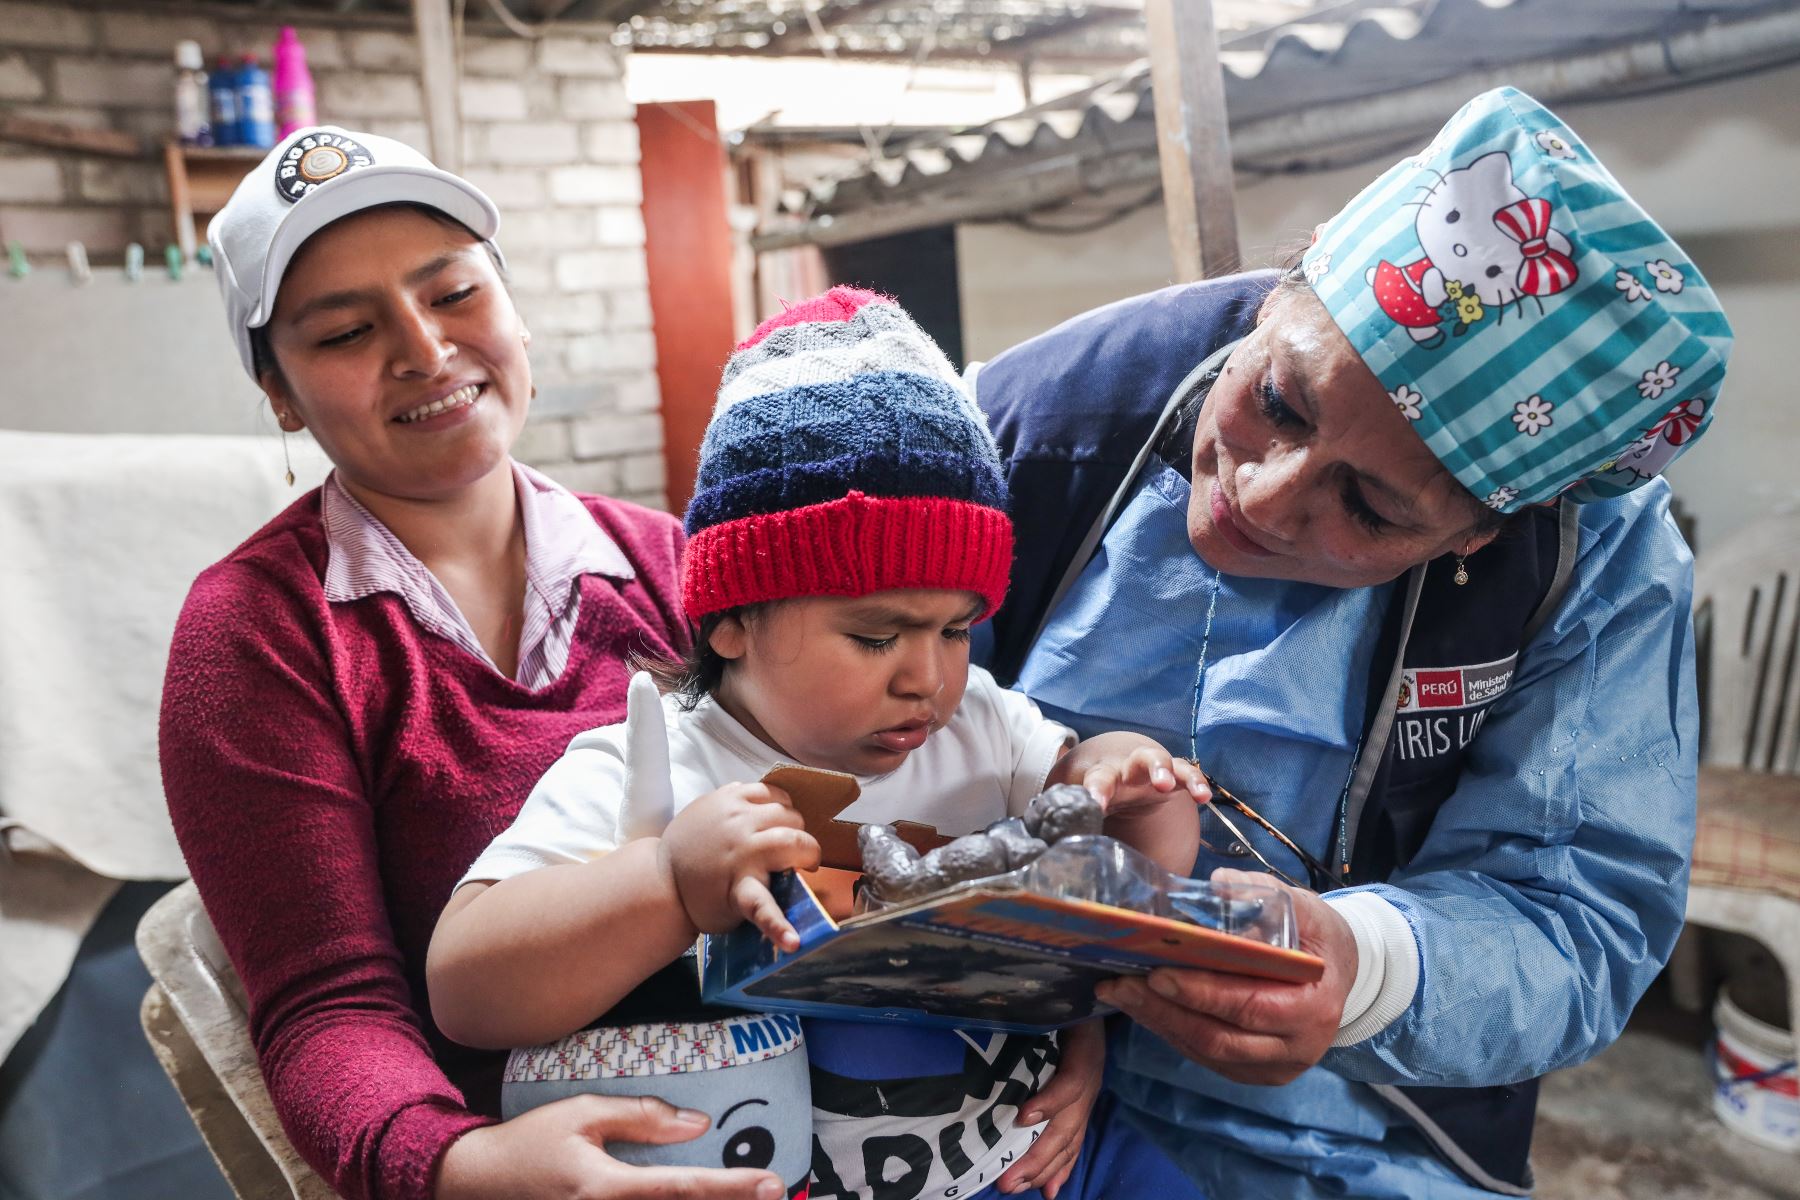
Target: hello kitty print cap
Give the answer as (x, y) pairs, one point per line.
(1544, 336)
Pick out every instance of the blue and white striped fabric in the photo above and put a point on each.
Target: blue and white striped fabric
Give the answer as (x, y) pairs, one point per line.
(843, 458)
(1541, 332)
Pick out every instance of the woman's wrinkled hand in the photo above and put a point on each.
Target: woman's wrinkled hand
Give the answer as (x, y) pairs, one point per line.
(721, 850)
(1250, 1030)
(559, 1151)
(1067, 1100)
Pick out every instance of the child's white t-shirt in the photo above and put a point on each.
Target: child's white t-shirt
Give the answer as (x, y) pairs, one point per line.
(986, 763)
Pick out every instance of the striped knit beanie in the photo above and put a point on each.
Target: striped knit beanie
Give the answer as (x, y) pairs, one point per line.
(844, 458)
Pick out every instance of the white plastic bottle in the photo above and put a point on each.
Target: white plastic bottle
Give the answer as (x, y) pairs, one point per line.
(193, 124)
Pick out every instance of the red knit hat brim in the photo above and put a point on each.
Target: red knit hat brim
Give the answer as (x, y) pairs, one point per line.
(853, 546)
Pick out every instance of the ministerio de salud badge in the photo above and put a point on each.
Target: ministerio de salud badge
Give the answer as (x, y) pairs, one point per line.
(315, 159)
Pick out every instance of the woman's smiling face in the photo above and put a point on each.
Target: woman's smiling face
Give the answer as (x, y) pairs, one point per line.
(1305, 469)
(398, 346)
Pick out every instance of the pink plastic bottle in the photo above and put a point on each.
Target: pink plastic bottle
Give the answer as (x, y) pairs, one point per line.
(293, 85)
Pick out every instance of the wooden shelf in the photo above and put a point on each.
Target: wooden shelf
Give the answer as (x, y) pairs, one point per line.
(251, 154)
(59, 136)
(201, 180)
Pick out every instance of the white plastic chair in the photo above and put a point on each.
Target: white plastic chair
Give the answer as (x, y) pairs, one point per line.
(198, 1023)
(1747, 847)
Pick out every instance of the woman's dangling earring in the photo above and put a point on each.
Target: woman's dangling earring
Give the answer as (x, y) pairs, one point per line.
(1462, 571)
(286, 461)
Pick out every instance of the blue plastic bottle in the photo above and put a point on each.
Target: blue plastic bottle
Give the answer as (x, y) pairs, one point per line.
(256, 104)
(222, 98)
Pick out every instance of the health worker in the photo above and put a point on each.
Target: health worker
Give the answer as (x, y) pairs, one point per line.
(1382, 543)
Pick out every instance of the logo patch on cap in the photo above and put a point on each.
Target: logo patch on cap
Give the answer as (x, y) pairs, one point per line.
(315, 159)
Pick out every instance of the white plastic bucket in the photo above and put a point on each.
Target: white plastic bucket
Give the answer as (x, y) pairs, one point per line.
(1756, 1092)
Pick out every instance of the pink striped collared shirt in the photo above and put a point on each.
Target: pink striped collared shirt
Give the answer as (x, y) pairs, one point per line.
(562, 543)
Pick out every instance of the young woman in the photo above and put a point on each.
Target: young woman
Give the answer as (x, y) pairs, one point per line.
(362, 694)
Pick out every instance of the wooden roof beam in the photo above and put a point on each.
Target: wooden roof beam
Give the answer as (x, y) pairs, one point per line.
(435, 27)
(606, 12)
(1192, 138)
(622, 11)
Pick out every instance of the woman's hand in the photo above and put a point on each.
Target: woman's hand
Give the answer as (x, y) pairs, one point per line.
(721, 850)
(1250, 1030)
(559, 1151)
(1066, 1100)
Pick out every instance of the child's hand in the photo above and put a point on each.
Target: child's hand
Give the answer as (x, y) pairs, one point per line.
(721, 850)
(1067, 1100)
(1149, 795)
(1130, 773)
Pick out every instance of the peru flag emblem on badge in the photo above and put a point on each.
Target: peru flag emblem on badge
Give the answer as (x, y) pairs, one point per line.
(1425, 688)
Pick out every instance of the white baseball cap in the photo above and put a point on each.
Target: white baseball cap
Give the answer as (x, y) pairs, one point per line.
(318, 175)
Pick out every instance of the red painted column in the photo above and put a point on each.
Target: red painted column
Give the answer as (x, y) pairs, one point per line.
(687, 248)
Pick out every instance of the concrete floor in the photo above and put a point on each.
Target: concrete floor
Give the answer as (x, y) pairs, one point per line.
(1636, 1123)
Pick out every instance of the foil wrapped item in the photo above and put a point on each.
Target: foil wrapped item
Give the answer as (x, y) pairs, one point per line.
(1066, 810)
(894, 872)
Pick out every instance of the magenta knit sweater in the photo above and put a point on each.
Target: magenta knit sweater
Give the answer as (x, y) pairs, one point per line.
(331, 771)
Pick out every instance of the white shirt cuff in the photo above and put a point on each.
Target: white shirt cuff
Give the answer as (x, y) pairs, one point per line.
(1387, 966)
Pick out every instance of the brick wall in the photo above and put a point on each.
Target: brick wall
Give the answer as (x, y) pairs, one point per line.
(548, 133)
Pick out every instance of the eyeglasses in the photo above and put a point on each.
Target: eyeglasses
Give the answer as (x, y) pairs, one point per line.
(1319, 877)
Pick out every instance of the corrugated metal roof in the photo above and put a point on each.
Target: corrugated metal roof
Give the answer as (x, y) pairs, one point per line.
(1298, 68)
(1091, 30)
(1106, 33)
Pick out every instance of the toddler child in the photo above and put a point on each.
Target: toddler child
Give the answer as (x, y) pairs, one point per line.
(848, 527)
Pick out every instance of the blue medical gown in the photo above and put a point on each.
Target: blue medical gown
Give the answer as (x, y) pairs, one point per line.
(1548, 892)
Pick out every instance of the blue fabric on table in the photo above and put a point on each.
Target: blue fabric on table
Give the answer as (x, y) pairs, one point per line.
(86, 1112)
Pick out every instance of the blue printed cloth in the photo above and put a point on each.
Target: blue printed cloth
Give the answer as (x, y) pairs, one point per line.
(1541, 332)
